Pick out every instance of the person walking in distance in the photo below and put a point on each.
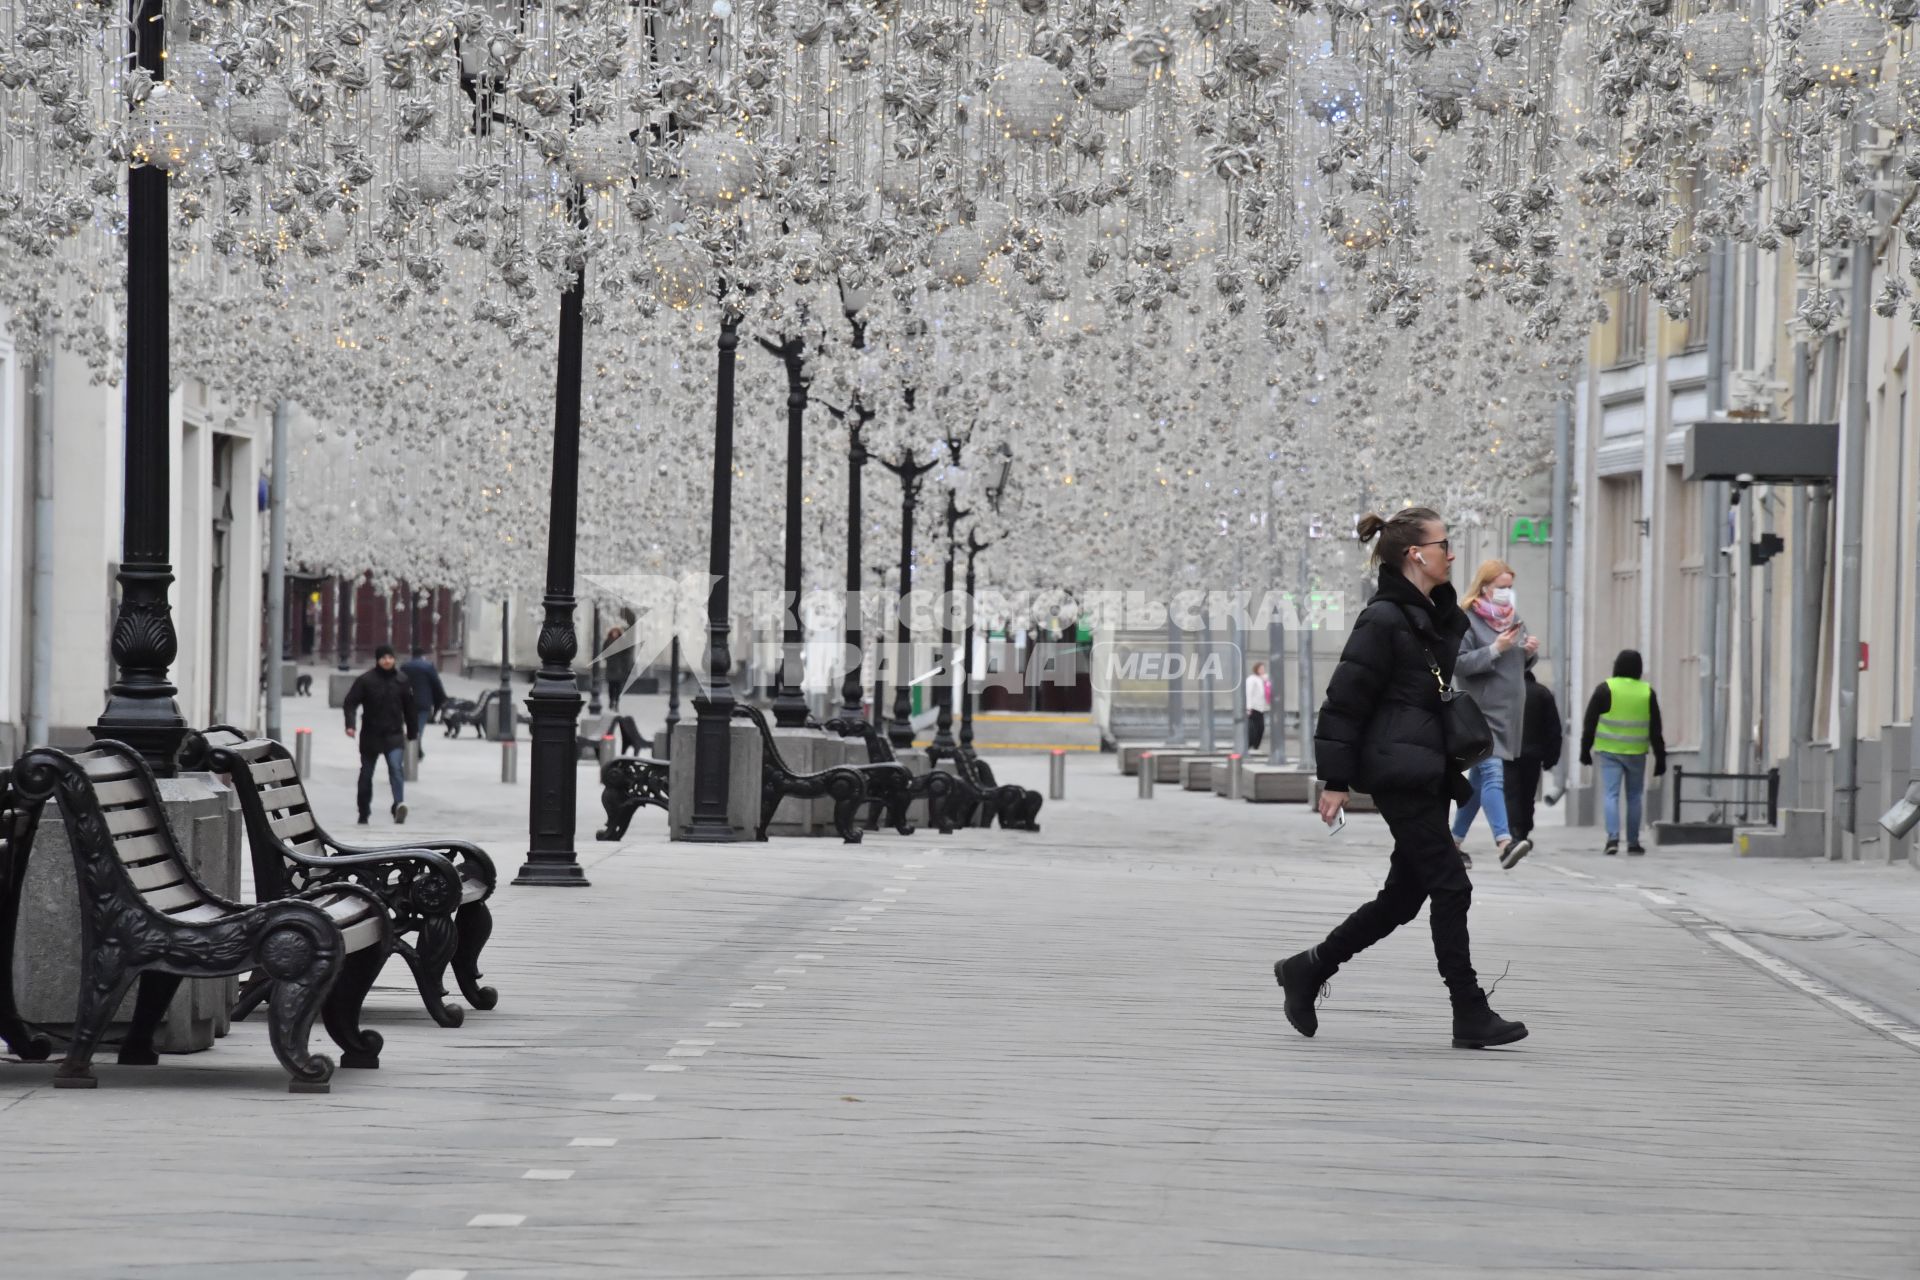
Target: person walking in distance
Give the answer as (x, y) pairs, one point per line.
(1380, 728)
(1540, 737)
(1621, 725)
(429, 695)
(1494, 657)
(1259, 702)
(388, 717)
(618, 661)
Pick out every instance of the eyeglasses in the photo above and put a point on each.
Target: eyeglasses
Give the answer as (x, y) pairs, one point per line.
(1445, 544)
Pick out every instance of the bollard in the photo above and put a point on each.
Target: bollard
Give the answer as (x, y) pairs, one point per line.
(1057, 780)
(509, 760)
(302, 751)
(1233, 775)
(1146, 775)
(410, 761)
(606, 749)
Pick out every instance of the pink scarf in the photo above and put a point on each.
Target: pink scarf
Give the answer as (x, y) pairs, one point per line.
(1498, 616)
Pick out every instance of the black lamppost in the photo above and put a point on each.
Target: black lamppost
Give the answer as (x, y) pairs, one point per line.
(504, 730)
(594, 705)
(345, 593)
(974, 548)
(789, 703)
(912, 474)
(673, 693)
(553, 708)
(996, 490)
(943, 744)
(856, 461)
(879, 666)
(853, 301)
(141, 710)
(713, 708)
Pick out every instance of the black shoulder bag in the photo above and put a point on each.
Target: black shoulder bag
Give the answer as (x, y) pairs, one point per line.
(1469, 736)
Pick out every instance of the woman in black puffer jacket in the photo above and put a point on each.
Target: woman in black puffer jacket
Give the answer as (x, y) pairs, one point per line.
(1380, 730)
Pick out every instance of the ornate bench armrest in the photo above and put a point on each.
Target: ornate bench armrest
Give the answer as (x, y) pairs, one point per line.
(421, 878)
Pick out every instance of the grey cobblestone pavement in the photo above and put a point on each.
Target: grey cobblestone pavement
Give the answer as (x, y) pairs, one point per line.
(1005, 1055)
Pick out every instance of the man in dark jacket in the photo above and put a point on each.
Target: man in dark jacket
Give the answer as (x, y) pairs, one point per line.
(429, 695)
(1623, 718)
(388, 717)
(1540, 735)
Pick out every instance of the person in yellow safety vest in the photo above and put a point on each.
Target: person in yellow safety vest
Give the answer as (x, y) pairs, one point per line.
(1621, 726)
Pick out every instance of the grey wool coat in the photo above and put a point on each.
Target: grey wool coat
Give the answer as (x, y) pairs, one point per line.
(1497, 682)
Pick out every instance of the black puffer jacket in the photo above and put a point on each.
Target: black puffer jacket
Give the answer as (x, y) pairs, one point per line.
(385, 701)
(1380, 728)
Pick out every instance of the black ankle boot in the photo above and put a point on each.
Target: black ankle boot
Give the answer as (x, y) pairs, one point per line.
(1475, 1026)
(1301, 977)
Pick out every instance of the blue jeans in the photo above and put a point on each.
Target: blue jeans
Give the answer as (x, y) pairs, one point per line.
(396, 778)
(1617, 773)
(1489, 779)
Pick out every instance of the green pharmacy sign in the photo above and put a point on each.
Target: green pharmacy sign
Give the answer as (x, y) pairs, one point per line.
(1532, 529)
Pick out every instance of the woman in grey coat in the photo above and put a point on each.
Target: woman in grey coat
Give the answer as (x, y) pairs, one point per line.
(1492, 670)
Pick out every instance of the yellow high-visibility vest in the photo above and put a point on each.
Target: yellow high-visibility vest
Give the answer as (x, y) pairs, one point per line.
(1626, 728)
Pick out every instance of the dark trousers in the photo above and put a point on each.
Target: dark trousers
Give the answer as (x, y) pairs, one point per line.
(1523, 785)
(396, 778)
(1256, 730)
(1426, 868)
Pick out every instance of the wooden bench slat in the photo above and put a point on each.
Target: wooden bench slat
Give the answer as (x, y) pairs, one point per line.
(205, 913)
(472, 890)
(179, 895)
(293, 826)
(141, 848)
(156, 875)
(105, 765)
(283, 797)
(124, 792)
(266, 771)
(248, 749)
(364, 934)
(122, 822)
(344, 908)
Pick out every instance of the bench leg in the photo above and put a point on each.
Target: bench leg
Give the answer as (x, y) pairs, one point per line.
(846, 813)
(298, 972)
(620, 811)
(100, 995)
(897, 810)
(474, 926)
(428, 957)
(359, 1047)
(149, 1006)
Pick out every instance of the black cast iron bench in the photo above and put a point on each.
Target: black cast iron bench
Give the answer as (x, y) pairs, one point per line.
(892, 786)
(435, 891)
(483, 715)
(144, 914)
(1017, 807)
(627, 783)
(845, 784)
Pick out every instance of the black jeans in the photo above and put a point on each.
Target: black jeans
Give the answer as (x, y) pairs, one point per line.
(1523, 785)
(1256, 730)
(1426, 868)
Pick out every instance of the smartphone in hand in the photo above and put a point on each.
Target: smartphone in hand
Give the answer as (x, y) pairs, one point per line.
(1338, 824)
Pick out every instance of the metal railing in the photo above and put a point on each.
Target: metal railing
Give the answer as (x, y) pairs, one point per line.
(1751, 794)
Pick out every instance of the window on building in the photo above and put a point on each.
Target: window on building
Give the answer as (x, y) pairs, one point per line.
(1629, 326)
(1617, 619)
